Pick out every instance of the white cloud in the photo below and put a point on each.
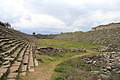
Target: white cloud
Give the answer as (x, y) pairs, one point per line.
(95, 18)
(59, 15)
(40, 19)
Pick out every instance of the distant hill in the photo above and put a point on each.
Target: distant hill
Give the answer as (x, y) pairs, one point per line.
(45, 36)
(8, 32)
(108, 26)
(52, 36)
(99, 36)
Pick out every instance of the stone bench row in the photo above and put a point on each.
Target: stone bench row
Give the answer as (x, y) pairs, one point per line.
(9, 53)
(6, 47)
(20, 55)
(10, 60)
(14, 69)
(26, 64)
(10, 41)
(3, 40)
(11, 50)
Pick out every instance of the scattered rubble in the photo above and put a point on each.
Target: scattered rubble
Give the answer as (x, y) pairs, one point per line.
(55, 51)
(108, 63)
(108, 48)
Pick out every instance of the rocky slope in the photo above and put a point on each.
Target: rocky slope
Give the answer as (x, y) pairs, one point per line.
(16, 53)
(108, 64)
(103, 37)
(108, 26)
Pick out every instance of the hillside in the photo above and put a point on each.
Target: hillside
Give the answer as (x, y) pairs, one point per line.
(16, 53)
(103, 37)
(107, 26)
(99, 63)
(45, 36)
(77, 55)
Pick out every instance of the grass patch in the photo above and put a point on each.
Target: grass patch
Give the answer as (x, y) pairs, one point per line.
(70, 73)
(58, 77)
(65, 62)
(71, 67)
(64, 44)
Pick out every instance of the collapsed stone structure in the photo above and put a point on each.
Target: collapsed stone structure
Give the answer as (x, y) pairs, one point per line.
(108, 64)
(55, 51)
(16, 53)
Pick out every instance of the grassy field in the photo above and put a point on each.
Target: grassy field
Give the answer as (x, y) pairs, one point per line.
(51, 65)
(64, 44)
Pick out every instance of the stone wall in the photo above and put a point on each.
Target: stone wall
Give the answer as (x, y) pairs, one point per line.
(55, 51)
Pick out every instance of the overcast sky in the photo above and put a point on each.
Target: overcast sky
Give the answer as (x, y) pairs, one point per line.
(55, 16)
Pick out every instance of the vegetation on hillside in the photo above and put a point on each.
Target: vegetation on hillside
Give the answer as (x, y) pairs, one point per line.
(46, 60)
(44, 36)
(65, 44)
(102, 37)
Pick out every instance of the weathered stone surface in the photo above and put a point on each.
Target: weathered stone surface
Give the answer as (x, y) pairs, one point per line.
(13, 46)
(12, 75)
(104, 76)
(108, 62)
(55, 51)
(36, 62)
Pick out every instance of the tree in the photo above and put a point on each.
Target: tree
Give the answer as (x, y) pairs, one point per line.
(8, 25)
(33, 33)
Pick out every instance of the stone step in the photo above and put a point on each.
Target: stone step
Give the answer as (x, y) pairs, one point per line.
(6, 62)
(31, 69)
(25, 60)
(6, 66)
(23, 73)
(9, 58)
(11, 49)
(1, 44)
(2, 71)
(11, 79)
(10, 45)
(12, 76)
(31, 63)
(3, 40)
(16, 63)
(25, 56)
(36, 62)
(14, 69)
(20, 59)
(22, 53)
(24, 68)
(14, 55)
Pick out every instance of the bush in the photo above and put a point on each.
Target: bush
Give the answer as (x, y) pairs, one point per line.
(59, 68)
(58, 77)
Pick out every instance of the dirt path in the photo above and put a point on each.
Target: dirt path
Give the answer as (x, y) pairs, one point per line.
(42, 72)
(45, 70)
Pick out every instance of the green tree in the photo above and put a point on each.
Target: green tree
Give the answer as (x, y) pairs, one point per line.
(33, 33)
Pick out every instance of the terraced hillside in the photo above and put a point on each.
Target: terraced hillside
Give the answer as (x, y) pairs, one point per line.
(103, 65)
(16, 53)
(103, 37)
(108, 26)
(92, 55)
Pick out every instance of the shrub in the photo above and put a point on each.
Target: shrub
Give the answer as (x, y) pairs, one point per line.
(58, 77)
(59, 68)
